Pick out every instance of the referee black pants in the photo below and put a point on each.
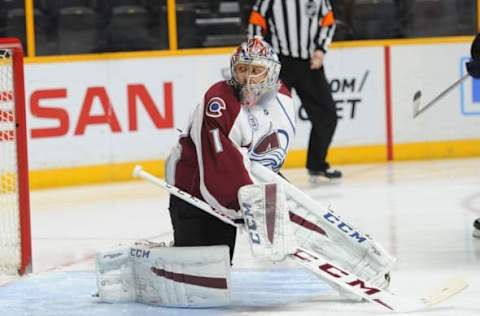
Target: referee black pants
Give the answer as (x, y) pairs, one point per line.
(314, 91)
(194, 227)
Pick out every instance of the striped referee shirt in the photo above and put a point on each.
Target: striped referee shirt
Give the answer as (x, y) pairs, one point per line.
(294, 28)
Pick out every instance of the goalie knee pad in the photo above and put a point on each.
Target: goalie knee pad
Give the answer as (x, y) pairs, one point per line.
(329, 235)
(165, 276)
(321, 230)
(266, 220)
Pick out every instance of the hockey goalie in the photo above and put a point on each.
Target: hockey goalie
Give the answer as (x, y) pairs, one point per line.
(228, 158)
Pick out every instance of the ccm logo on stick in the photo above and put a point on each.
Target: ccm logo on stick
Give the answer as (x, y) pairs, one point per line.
(336, 272)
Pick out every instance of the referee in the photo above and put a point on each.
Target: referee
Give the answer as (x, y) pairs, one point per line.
(300, 31)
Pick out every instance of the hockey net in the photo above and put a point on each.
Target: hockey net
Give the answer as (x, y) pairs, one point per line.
(15, 240)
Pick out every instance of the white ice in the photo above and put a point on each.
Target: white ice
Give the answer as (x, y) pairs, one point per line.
(422, 212)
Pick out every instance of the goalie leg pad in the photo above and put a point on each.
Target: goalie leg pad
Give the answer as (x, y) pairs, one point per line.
(266, 220)
(115, 279)
(182, 276)
(165, 276)
(366, 259)
(321, 230)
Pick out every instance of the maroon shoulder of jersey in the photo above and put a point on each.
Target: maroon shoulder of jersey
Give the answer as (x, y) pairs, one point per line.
(221, 105)
(284, 89)
(222, 163)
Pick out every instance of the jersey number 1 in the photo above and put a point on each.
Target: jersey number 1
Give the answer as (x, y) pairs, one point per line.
(216, 140)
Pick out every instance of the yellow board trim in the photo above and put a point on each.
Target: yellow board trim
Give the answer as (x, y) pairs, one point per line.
(40, 179)
(437, 150)
(229, 50)
(130, 55)
(405, 41)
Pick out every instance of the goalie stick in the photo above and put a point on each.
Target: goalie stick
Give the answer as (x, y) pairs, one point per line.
(418, 109)
(325, 268)
(473, 69)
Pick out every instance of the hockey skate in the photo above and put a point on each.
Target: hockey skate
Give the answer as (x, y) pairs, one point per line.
(476, 228)
(316, 177)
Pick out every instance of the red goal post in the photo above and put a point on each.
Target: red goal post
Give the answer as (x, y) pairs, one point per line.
(15, 235)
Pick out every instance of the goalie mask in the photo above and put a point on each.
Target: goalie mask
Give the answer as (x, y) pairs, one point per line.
(255, 69)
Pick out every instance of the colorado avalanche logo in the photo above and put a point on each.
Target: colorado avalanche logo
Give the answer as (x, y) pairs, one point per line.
(271, 150)
(267, 144)
(215, 107)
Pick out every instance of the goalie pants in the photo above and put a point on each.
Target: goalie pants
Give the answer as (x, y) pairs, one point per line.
(314, 92)
(194, 227)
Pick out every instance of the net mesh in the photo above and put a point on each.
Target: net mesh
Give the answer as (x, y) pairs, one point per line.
(10, 257)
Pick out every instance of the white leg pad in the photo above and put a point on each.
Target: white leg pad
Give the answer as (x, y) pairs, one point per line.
(182, 276)
(115, 278)
(267, 221)
(165, 276)
(321, 230)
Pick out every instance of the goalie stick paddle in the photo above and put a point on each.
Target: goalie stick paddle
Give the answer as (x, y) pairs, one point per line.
(321, 266)
(326, 269)
(419, 109)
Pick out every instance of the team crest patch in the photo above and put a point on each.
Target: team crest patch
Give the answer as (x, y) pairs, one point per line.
(215, 107)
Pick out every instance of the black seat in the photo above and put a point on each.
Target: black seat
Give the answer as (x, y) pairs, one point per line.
(221, 24)
(61, 4)
(158, 24)
(77, 30)
(128, 28)
(374, 19)
(433, 18)
(188, 34)
(15, 24)
(118, 3)
(343, 17)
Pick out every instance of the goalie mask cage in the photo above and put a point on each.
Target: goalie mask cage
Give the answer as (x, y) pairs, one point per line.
(15, 237)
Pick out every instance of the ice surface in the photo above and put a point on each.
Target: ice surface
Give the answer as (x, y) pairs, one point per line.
(70, 293)
(422, 212)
